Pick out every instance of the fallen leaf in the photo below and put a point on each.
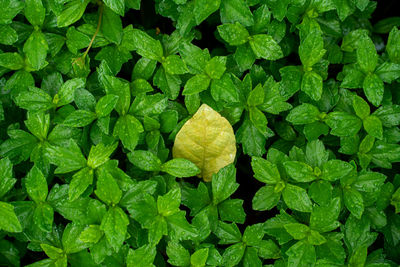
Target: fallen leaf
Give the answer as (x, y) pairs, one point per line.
(207, 140)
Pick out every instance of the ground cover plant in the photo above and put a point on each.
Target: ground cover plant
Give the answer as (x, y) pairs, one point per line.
(199, 133)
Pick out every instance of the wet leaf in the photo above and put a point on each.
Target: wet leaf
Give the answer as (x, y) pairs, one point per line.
(207, 140)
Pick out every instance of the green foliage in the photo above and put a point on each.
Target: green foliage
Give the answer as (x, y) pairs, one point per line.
(93, 93)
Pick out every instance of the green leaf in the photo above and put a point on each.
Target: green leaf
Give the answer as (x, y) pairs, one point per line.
(35, 49)
(262, 19)
(275, 227)
(297, 230)
(173, 64)
(79, 118)
(199, 258)
(196, 84)
(367, 58)
(51, 252)
(143, 256)
(231, 210)
(234, 34)
(301, 254)
(324, 218)
(9, 10)
(296, 198)
(265, 198)
(268, 249)
(253, 234)
(224, 183)
(8, 35)
(194, 57)
(359, 257)
(224, 89)
(395, 200)
(236, 11)
(303, 114)
(79, 183)
(72, 12)
(252, 140)
(107, 189)
(256, 96)
(392, 46)
(38, 124)
(128, 129)
(76, 40)
(215, 67)
(144, 210)
(244, 57)
(105, 105)
(145, 160)
(180, 168)
(9, 221)
(373, 88)
(389, 115)
(265, 171)
(311, 49)
(35, 12)
(120, 88)
(388, 72)
(179, 227)
(146, 46)
(68, 158)
(100, 154)
(204, 8)
(358, 233)
(316, 155)
(177, 254)
(118, 6)
(67, 91)
(315, 238)
(258, 119)
(343, 124)
(335, 169)
(361, 107)
(228, 233)
(168, 83)
(233, 254)
(312, 85)
(168, 121)
(144, 68)
(149, 105)
(321, 192)
(114, 224)
(157, 230)
(369, 181)
(70, 238)
(91, 234)
(373, 126)
(350, 41)
(36, 185)
(43, 217)
(6, 173)
(264, 46)
(353, 201)
(19, 146)
(169, 203)
(111, 25)
(12, 61)
(299, 171)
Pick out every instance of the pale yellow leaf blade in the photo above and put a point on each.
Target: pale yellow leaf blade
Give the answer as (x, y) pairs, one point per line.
(207, 140)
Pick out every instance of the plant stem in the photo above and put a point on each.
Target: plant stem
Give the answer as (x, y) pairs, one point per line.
(82, 58)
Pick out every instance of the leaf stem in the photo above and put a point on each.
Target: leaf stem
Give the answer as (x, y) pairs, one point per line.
(82, 58)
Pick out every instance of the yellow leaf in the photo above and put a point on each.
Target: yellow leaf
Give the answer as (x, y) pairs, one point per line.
(207, 140)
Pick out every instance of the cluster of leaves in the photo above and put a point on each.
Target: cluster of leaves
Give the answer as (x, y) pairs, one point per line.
(91, 100)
